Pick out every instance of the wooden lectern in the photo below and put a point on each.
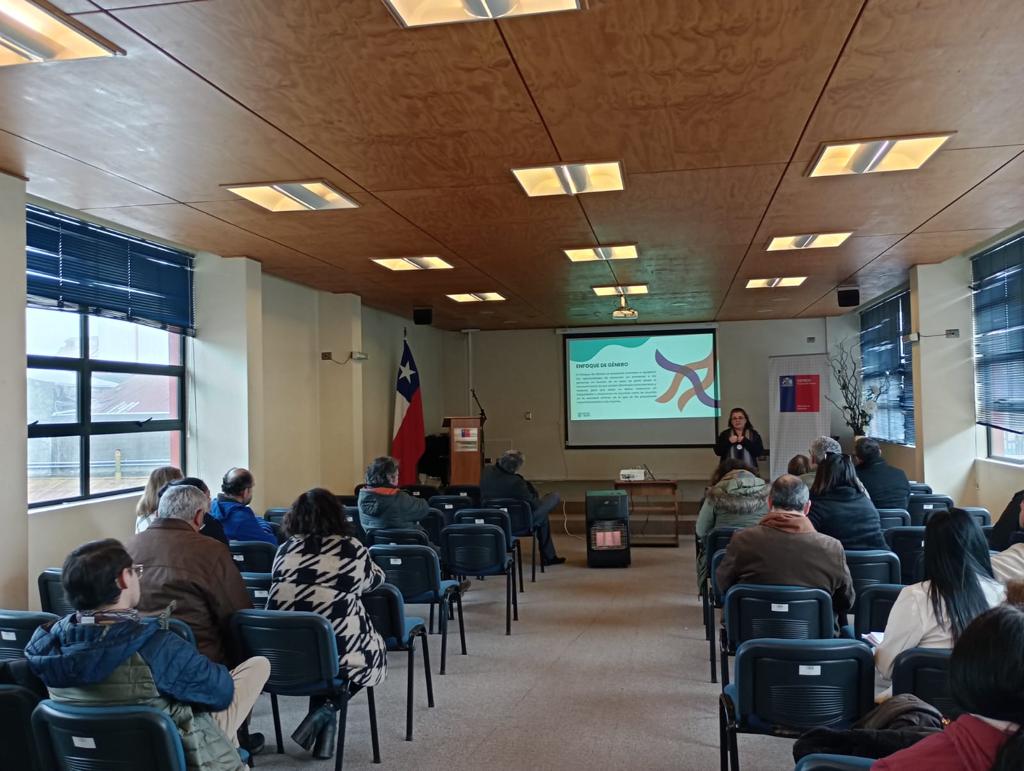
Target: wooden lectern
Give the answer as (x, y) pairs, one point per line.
(466, 449)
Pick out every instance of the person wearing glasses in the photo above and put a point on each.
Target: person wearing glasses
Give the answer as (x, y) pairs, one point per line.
(840, 506)
(105, 653)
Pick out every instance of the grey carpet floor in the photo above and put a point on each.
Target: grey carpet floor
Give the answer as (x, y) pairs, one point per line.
(606, 669)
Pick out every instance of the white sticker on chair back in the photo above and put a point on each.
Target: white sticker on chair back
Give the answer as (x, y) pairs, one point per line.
(780, 607)
(808, 670)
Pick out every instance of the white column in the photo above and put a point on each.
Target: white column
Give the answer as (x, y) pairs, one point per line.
(341, 393)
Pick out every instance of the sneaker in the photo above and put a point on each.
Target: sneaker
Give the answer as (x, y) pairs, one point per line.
(256, 743)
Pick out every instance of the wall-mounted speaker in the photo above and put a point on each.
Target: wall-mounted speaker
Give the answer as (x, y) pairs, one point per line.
(423, 316)
(848, 298)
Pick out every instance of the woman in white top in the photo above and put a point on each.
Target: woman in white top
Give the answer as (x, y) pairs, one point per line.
(147, 504)
(960, 586)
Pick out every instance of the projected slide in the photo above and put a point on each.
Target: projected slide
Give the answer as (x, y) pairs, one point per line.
(644, 389)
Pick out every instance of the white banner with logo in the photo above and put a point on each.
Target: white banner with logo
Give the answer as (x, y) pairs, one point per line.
(797, 405)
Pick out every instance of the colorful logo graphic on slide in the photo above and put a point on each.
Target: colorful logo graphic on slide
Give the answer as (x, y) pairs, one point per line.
(642, 378)
(799, 393)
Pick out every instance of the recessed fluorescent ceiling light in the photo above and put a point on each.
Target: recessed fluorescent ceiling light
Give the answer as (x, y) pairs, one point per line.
(592, 253)
(414, 263)
(810, 241)
(418, 13)
(876, 156)
(294, 196)
(38, 32)
(606, 291)
(476, 297)
(772, 283)
(570, 178)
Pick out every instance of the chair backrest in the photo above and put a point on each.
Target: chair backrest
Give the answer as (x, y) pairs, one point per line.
(465, 491)
(449, 504)
(275, 515)
(426, 492)
(894, 518)
(920, 503)
(908, 544)
(433, 523)
(519, 513)
(183, 630)
(794, 685)
(872, 566)
(357, 488)
(352, 515)
(258, 587)
(754, 611)
(70, 738)
(924, 672)
(873, 606)
(981, 515)
(474, 550)
(253, 556)
(51, 593)
(495, 517)
(17, 628)
(718, 538)
(348, 500)
(301, 647)
(716, 593)
(822, 762)
(414, 570)
(387, 612)
(920, 488)
(19, 747)
(397, 535)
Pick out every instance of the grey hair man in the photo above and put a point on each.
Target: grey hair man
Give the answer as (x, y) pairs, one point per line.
(195, 573)
(503, 480)
(819, 448)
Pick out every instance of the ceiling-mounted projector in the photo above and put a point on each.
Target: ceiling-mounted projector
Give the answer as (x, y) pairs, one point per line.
(624, 312)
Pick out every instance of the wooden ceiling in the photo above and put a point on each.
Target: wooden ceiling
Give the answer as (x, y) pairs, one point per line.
(714, 107)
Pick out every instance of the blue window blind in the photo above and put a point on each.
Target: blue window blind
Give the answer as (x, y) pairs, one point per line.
(81, 266)
(885, 355)
(999, 336)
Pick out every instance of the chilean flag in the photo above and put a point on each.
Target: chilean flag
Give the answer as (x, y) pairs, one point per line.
(408, 442)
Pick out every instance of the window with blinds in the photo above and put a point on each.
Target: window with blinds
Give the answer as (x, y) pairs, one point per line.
(885, 357)
(998, 295)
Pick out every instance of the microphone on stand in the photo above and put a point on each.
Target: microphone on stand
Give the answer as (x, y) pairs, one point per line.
(483, 413)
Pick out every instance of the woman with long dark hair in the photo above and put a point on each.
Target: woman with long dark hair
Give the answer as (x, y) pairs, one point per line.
(986, 679)
(740, 440)
(841, 508)
(958, 587)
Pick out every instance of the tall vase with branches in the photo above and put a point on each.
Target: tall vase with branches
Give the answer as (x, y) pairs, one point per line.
(857, 402)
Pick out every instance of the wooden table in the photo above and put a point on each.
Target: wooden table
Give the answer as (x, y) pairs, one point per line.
(645, 490)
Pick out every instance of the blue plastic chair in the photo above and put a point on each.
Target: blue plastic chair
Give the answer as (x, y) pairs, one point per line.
(714, 603)
(919, 488)
(872, 566)
(786, 687)
(921, 503)
(501, 519)
(258, 587)
(980, 515)
(873, 606)
(128, 738)
(449, 504)
(276, 516)
(893, 518)
(820, 762)
(19, 746)
(465, 491)
(303, 657)
(433, 523)
(51, 593)
(520, 514)
(253, 556)
(17, 628)
(387, 612)
(416, 572)
(397, 536)
(481, 550)
(352, 515)
(908, 545)
(924, 672)
(348, 501)
(426, 492)
(714, 541)
(754, 611)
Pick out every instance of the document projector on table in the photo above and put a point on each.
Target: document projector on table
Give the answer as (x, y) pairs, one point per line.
(632, 475)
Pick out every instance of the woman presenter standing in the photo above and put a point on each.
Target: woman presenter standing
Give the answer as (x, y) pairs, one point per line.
(740, 440)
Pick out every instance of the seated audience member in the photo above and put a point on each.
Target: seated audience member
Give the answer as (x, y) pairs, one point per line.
(783, 548)
(840, 507)
(819, 448)
(986, 680)
(799, 465)
(211, 527)
(322, 569)
(106, 653)
(196, 573)
(887, 485)
(145, 509)
(958, 586)
(1010, 522)
(231, 509)
(738, 499)
(503, 480)
(382, 504)
(1008, 565)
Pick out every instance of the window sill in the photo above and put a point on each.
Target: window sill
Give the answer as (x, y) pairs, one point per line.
(106, 499)
(999, 463)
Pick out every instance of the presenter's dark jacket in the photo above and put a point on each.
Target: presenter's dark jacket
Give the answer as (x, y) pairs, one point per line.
(754, 445)
(847, 515)
(495, 482)
(886, 485)
(389, 507)
(1007, 525)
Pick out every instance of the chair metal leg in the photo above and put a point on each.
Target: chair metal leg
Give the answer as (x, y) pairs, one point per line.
(515, 593)
(374, 738)
(508, 602)
(426, 670)
(462, 625)
(542, 560)
(430, 628)
(706, 609)
(409, 691)
(277, 723)
(723, 749)
(339, 752)
(711, 646)
(519, 563)
(442, 623)
(725, 663)
(533, 559)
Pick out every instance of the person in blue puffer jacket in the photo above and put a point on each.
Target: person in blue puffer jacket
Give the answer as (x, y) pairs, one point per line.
(105, 653)
(231, 509)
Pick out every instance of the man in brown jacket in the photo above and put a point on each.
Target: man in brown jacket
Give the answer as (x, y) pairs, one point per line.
(195, 572)
(784, 548)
